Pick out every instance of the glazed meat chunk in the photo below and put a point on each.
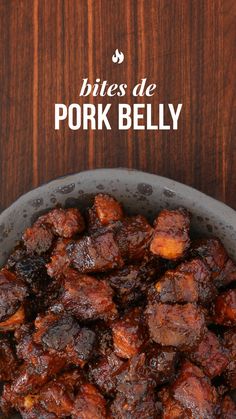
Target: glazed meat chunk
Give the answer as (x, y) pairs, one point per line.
(8, 360)
(213, 253)
(176, 325)
(193, 391)
(171, 409)
(135, 392)
(80, 349)
(12, 294)
(89, 404)
(227, 275)
(202, 275)
(95, 254)
(63, 222)
(210, 355)
(132, 282)
(230, 344)
(105, 372)
(161, 362)
(60, 260)
(107, 208)
(171, 234)
(133, 237)
(225, 308)
(228, 408)
(38, 239)
(87, 298)
(178, 287)
(32, 270)
(55, 331)
(128, 334)
(58, 395)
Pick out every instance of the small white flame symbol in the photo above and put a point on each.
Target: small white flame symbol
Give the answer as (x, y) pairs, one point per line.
(118, 57)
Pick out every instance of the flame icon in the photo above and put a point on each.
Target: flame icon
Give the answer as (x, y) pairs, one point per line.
(118, 57)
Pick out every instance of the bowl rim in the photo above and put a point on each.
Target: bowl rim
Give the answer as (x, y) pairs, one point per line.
(211, 203)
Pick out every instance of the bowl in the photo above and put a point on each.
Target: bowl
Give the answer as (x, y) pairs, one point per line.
(139, 192)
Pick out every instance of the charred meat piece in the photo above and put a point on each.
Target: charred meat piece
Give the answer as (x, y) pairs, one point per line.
(57, 396)
(95, 253)
(135, 395)
(129, 334)
(8, 360)
(227, 275)
(132, 282)
(38, 239)
(225, 308)
(171, 234)
(210, 355)
(171, 409)
(108, 209)
(176, 325)
(33, 271)
(89, 404)
(161, 362)
(80, 349)
(230, 344)
(60, 260)
(105, 372)
(228, 408)
(133, 237)
(55, 331)
(193, 391)
(12, 294)
(87, 298)
(14, 321)
(213, 253)
(202, 275)
(36, 412)
(177, 287)
(63, 222)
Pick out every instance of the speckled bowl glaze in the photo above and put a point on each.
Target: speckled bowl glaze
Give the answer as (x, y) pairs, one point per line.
(138, 191)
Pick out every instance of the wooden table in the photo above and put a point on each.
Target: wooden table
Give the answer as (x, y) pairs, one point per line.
(187, 47)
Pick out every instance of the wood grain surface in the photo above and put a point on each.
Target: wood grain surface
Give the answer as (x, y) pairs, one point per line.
(187, 47)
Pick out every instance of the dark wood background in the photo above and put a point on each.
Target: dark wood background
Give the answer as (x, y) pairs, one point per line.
(186, 46)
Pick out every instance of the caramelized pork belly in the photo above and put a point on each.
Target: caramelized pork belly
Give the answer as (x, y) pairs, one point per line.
(171, 234)
(133, 237)
(89, 404)
(129, 334)
(12, 294)
(107, 208)
(230, 345)
(63, 222)
(224, 308)
(60, 260)
(210, 355)
(87, 298)
(8, 360)
(176, 325)
(95, 254)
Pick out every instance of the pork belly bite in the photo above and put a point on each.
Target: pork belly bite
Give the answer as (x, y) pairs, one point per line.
(95, 254)
(227, 275)
(177, 287)
(63, 222)
(133, 237)
(8, 360)
(230, 344)
(193, 391)
(12, 294)
(228, 408)
(87, 298)
(129, 334)
(108, 209)
(210, 355)
(161, 362)
(213, 253)
(105, 372)
(89, 404)
(175, 325)
(60, 260)
(38, 239)
(135, 395)
(171, 234)
(225, 308)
